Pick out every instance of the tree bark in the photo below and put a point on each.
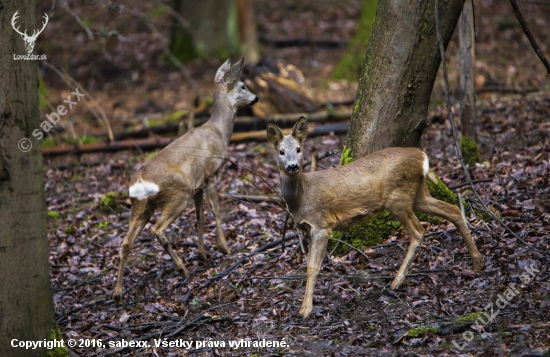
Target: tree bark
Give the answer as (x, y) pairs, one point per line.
(212, 32)
(26, 307)
(467, 72)
(248, 30)
(401, 64)
(351, 63)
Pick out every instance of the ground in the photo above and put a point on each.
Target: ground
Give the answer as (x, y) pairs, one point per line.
(355, 312)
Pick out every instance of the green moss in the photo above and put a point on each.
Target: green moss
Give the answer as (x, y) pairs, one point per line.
(439, 190)
(421, 330)
(470, 317)
(469, 149)
(346, 158)
(108, 203)
(151, 155)
(103, 225)
(55, 335)
(70, 229)
(182, 45)
(54, 214)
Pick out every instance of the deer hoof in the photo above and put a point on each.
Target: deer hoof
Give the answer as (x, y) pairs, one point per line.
(478, 264)
(396, 282)
(305, 310)
(117, 298)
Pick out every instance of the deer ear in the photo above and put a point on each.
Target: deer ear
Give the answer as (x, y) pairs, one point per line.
(232, 76)
(222, 71)
(300, 129)
(274, 134)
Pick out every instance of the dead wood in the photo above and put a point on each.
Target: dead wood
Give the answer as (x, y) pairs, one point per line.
(155, 143)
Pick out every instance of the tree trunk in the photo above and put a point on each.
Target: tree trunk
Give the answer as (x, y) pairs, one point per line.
(248, 30)
(468, 141)
(401, 64)
(26, 308)
(351, 63)
(212, 32)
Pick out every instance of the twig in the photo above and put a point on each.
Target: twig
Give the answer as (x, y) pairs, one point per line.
(95, 108)
(229, 270)
(351, 246)
(467, 183)
(322, 156)
(455, 133)
(79, 20)
(529, 35)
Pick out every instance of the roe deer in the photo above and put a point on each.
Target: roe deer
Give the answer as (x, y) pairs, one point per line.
(182, 170)
(392, 179)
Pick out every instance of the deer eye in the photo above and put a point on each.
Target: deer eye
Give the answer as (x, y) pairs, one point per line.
(282, 151)
(298, 149)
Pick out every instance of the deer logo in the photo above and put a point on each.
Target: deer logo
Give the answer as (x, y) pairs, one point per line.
(29, 40)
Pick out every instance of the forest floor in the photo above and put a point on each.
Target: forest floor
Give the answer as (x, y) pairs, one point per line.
(355, 313)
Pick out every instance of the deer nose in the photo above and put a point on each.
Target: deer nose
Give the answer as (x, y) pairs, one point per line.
(254, 101)
(292, 168)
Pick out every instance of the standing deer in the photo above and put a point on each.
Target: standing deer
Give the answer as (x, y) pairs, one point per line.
(182, 170)
(29, 40)
(392, 179)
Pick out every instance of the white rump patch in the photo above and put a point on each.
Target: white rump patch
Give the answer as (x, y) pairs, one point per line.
(143, 189)
(425, 166)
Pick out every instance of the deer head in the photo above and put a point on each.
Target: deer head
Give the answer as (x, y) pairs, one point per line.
(29, 40)
(289, 147)
(228, 80)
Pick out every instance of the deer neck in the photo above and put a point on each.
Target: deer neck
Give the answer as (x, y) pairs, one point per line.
(293, 189)
(223, 115)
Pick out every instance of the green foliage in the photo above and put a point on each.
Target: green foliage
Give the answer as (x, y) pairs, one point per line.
(350, 65)
(469, 149)
(421, 330)
(48, 142)
(108, 203)
(54, 214)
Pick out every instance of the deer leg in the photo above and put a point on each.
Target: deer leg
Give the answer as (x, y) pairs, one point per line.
(140, 217)
(169, 214)
(425, 203)
(212, 195)
(416, 232)
(199, 211)
(317, 250)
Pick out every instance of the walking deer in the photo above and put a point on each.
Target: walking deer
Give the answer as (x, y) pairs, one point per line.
(392, 179)
(182, 170)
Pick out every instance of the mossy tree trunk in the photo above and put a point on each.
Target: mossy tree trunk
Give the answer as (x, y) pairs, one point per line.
(26, 307)
(212, 29)
(350, 65)
(401, 63)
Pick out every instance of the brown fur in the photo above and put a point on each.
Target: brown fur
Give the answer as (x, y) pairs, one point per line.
(186, 168)
(391, 179)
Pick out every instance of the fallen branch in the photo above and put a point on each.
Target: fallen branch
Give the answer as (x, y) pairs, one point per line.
(155, 143)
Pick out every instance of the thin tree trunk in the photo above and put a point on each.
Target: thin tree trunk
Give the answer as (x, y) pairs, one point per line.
(248, 30)
(26, 308)
(467, 71)
(401, 64)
